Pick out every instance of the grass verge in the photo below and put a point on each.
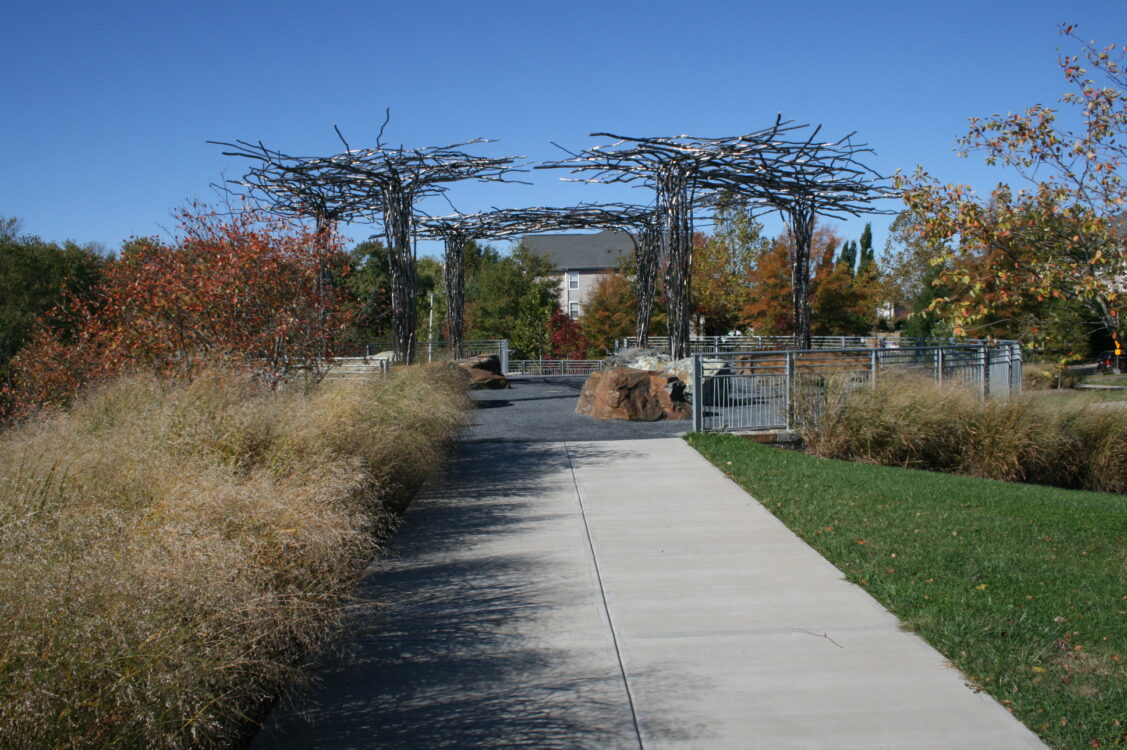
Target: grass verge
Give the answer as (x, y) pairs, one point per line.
(1023, 588)
(169, 553)
(1109, 379)
(1072, 441)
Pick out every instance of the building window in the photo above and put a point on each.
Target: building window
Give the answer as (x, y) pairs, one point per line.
(572, 279)
(574, 310)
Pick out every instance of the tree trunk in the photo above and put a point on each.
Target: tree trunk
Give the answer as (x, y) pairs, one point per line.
(801, 220)
(455, 291)
(647, 248)
(398, 220)
(674, 202)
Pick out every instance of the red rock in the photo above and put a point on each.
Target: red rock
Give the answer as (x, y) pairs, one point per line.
(483, 371)
(485, 380)
(634, 395)
(487, 362)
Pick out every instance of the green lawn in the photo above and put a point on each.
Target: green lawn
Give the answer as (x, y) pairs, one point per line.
(1023, 587)
(1108, 379)
(1078, 396)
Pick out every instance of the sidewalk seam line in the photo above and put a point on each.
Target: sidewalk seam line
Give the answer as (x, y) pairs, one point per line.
(603, 597)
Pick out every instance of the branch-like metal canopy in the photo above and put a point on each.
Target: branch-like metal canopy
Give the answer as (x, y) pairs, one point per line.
(773, 169)
(380, 184)
(783, 168)
(641, 223)
(457, 229)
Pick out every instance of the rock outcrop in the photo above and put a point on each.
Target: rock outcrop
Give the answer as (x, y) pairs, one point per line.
(634, 395)
(715, 373)
(484, 371)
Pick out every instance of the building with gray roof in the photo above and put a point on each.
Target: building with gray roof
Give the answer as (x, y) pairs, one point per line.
(580, 261)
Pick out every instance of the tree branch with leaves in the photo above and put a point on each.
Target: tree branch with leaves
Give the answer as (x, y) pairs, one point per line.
(1060, 236)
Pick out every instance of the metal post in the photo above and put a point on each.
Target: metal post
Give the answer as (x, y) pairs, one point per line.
(698, 395)
(939, 364)
(873, 369)
(505, 356)
(1009, 369)
(788, 376)
(984, 373)
(1013, 357)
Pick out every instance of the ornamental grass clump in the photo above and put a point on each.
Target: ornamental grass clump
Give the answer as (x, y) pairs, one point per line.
(918, 423)
(169, 552)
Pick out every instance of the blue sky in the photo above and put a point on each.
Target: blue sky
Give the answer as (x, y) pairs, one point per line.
(109, 105)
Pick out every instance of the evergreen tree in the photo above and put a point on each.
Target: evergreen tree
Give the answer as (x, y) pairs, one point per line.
(34, 277)
(848, 257)
(511, 297)
(367, 295)
(867, 259)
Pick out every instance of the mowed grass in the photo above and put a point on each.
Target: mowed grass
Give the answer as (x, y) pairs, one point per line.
(170, 551)
(1024, 588)
(1108, 379)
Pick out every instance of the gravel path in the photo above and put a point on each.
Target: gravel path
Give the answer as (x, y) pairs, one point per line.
(542, 409)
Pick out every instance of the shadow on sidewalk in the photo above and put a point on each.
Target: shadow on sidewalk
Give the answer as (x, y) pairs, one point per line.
(464, 633)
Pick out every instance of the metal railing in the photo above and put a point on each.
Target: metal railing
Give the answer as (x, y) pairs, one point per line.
(439, 351)
(344, 368)
(554, 366)
(717, 344)
(427, 352)
(766, 390)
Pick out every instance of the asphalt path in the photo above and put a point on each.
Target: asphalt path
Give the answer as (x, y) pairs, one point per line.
(542, 409)
(564, 584)
(619, 594)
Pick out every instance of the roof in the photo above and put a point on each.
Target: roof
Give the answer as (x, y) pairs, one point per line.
(569, 252)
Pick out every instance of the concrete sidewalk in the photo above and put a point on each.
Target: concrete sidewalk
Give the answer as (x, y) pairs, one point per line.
(620, 594)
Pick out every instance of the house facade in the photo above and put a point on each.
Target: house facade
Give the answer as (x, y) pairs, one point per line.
(580, 261)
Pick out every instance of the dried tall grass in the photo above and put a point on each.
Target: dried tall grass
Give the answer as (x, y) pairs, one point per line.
(169, 552)
(914, 422)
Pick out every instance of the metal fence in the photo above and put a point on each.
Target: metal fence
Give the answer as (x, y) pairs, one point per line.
(439, 351)
(716, 344)
(776, 390)
(349, 368)
(553, 366)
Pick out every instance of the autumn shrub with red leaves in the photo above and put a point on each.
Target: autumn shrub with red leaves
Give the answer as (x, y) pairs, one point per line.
(566, 336)
(244, 289)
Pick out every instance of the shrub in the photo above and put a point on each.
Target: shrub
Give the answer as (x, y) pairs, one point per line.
(917, 423)
(247, 288)
(168, 552)
(1040, 376)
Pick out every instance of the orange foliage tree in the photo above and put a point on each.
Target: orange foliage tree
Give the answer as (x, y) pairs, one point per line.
(1061, 237)
(722, 263)
(609, 314)
(245, 289)
(769, 311)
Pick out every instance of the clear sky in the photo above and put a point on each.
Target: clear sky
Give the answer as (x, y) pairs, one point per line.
(108, 105)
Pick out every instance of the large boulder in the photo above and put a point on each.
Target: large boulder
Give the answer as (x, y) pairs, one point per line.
(715, 373)
(634, 395)
(484, 372)
(638, 359)
(652, 360)
(487, 362)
